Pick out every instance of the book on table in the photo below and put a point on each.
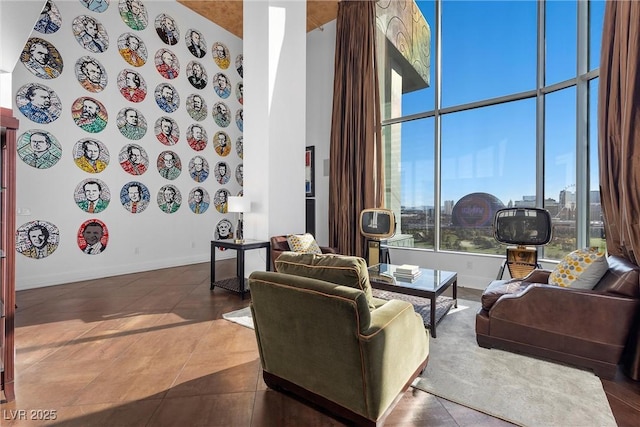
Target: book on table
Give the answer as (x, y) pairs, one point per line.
(403, 276)
(408, 269)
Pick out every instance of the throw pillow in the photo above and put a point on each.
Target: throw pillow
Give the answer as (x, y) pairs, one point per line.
(339, 269)
(304, 243)
(581, 269)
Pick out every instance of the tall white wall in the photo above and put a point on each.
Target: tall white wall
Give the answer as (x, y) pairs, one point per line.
(151, 239)
(320, 69)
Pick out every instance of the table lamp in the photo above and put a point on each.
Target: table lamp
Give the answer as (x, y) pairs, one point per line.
(240, 205)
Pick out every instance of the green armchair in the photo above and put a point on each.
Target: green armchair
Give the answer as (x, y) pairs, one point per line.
(333, 343)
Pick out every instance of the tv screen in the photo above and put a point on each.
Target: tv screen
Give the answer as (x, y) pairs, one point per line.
(522, 226)
(377, 223)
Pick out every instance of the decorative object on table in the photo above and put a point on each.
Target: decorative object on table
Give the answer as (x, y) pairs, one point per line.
(41, 58)
(377, 224)
(39, 149)
(407, 272)
(309, 172)
(37, 239)
(239, 205)
(525, 228)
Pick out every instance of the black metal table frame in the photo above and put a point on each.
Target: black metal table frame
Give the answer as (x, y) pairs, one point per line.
(430, 295)
(240, 249)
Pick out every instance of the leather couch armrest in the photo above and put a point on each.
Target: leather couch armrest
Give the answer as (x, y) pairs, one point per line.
(572, 312)
(539, 275)
(328, 250)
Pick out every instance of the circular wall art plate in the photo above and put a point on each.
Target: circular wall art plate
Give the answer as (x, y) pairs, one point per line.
(132, 49)
(167, 97)
(91, 155)
(222, 85)
(220, 200)
(197, 107)
(197, 75)
(132, 86)
(37, 239)
(240, 119)
(221, 143)
(222, 173)
(91, 74)
(240, 92)
(167, 63)
(239, 65)
(134, 14)
(167, 131)
(195, 43)
(133, 159)
(131, 123)
(39, 148)
(90, 34)
(239, 143)
(197, 137)
(240, 174)
(199, 169)
(50, 19)
(89, 114)
(41, 58)
(169, 199)
(38, 103)
(92, 195)
(220, 54)
(167, 29)
(221, 114)
(199, 200)
(169, 165)
(135, 197)
(93, 237)
(95, 5)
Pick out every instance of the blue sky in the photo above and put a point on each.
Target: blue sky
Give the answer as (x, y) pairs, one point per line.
(489, 50)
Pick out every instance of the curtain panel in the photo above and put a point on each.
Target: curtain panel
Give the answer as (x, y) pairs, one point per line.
(619, 143)
(355, 154)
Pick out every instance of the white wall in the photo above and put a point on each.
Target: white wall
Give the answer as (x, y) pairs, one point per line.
(150, 239)
(320, 69)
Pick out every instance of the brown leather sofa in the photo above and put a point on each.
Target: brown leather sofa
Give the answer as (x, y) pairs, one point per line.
(596, 329)
(279, 244)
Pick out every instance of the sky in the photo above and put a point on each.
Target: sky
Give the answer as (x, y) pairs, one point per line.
(489, 50)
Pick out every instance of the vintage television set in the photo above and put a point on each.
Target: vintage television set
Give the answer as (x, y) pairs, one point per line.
(377, 224)
(525, 228)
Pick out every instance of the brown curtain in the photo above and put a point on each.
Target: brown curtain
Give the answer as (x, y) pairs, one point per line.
(619, 141)
(355, 153)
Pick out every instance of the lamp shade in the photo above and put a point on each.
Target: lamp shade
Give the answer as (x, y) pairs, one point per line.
(238, 204)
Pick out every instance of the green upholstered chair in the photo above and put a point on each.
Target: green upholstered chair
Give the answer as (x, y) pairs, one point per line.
(332, 343)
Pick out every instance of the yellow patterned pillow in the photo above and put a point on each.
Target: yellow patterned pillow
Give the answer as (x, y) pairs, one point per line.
(581, 269)
(304, 243)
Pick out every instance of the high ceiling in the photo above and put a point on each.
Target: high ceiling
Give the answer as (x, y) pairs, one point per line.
(228, 13)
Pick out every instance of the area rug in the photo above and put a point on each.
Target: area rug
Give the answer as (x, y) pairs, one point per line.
(422, 306)
(516, 388)
(241, 317)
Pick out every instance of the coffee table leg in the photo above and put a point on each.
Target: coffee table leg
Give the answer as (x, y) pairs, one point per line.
(455, 293)
(433, 316)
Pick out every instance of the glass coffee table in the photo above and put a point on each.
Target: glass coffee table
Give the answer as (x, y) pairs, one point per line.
(429, 285)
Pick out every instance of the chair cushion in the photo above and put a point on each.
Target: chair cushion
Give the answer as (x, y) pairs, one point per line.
(497, 288)
(339, 269)
(581, 269)
(304, 243)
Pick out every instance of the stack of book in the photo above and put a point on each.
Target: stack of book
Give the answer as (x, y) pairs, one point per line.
(407, 272)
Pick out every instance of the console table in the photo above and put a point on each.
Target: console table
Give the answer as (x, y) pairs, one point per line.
(236, 284)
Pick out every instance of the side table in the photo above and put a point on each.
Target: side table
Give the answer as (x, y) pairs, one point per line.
(236, 284)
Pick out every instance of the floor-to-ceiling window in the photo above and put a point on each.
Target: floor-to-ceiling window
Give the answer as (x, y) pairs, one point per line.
(506, 117)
